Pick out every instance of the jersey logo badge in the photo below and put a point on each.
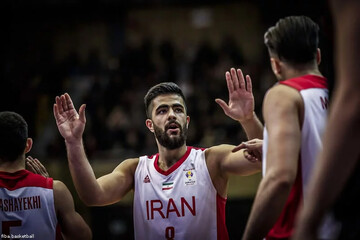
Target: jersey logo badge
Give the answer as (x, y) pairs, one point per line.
(147, 179)
(190, 177)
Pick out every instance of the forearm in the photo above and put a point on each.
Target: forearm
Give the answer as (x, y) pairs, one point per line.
(82, 173)
(269, 202)
(253, 127)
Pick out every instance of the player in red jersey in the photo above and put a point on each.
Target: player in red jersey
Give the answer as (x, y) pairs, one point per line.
(294, 112)
(31, 205)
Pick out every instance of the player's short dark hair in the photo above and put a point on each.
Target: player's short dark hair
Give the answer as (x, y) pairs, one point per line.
(13, 135)
(294, 39)
(161, 89)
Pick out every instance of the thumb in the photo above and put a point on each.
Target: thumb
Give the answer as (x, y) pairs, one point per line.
(222, 104)
(82, 116)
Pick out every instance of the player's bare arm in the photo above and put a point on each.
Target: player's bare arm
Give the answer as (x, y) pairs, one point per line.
(117, 184)
(282, 116)
(241, 103)
(222, 161)
(72, 224)
(71, 125)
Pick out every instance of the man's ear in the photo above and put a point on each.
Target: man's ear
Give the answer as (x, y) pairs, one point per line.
(29, 143)
(318, 56)
(187, 121)
(275, 65)
(149, 124)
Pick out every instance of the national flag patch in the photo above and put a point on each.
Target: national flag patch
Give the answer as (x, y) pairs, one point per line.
(167, 185)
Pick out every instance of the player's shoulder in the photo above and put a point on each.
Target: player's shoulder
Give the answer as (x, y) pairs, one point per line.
(217, 152)
(280, 94)
(126, 165)
(59, 187)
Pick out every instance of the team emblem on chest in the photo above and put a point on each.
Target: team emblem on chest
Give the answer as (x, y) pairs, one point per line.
(190, 176)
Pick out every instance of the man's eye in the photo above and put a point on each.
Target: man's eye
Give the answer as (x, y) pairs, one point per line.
(178, 110)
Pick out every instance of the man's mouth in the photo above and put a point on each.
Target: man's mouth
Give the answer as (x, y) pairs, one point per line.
(173, 128)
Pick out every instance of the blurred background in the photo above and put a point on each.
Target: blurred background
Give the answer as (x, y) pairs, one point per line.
(108, 53)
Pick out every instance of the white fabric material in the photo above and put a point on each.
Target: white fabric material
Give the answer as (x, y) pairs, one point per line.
(33, 207)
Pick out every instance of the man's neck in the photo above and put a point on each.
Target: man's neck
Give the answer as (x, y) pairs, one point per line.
(292, 71)
(12, 167)
(167, 158)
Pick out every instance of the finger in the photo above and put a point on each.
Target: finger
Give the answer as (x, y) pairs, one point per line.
(234, 78)
(33, 166)
(249, 157)
(30, 167)
(82, 113)
(63, 102)
(59, 105)
(229, 82)
(239, 147)
(252, 156)
(39, 164)
(36, 166)
(69, 102)
(248, 84)
(222, 104)
(55, 111)
(241, 79)
(254, 141)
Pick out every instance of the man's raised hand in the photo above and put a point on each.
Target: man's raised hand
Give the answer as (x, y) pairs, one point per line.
(241, 99)
(70, 123)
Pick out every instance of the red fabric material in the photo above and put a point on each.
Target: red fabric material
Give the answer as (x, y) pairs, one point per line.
(222, 233)
(24, 178)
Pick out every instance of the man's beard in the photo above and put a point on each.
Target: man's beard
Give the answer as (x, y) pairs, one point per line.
(171, 142)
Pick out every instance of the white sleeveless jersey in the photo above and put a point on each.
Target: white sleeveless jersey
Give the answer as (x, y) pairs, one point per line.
(314, 93)
(27, 209)
(180, 203)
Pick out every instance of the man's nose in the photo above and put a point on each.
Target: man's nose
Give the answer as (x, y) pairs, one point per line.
(171, 114)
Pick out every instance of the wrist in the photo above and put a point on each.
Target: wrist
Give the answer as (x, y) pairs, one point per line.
(248, 119)
(74, 142)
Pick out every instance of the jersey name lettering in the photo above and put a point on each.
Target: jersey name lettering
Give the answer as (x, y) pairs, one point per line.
(324, 102)
(157, 207)
(19, 204)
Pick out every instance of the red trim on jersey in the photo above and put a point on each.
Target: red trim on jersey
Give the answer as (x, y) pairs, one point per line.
(24, 178)
(222, 233)
(305, 82)
(173, 167)
(58, 232)
(198, 148)
(284, 226)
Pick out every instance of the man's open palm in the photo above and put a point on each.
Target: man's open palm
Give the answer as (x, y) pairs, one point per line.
(241, 99)
(71, 124)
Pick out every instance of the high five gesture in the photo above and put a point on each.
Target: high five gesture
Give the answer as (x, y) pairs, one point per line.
(241, 103)
(70, 123)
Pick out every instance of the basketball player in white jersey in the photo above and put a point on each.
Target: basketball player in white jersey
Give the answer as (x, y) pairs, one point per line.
(32, 206)
(180, 192)
(294, 112)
